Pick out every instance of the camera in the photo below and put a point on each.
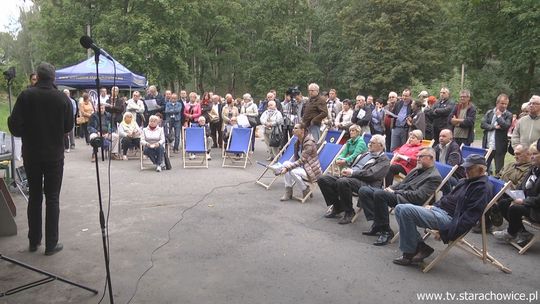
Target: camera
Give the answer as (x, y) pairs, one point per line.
(10, 73)
(293, 91)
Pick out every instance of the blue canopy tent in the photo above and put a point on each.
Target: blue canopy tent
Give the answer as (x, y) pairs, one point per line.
(83, 75)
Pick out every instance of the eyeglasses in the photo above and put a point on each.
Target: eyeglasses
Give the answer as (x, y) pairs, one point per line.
(423, 155)
(353, 130)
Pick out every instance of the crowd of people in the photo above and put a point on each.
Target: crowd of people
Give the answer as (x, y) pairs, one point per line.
(397, 125)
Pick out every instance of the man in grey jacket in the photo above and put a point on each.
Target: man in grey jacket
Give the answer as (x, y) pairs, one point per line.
(368, 169)
(416, 188)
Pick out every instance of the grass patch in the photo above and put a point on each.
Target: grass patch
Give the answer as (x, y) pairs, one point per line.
(4, 113)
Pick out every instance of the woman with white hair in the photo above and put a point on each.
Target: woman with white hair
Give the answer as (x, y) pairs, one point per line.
(130, 133)
(152, 140)
(271, 119)
(404, 159)
(250, 109)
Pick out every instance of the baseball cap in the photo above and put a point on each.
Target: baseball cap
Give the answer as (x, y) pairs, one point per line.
(474, 159)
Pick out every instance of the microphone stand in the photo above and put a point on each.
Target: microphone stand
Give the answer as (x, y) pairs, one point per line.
(96, 143)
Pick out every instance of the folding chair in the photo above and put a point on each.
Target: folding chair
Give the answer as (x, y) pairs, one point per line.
(238, 144)
(284, 155)
(428, 142)
(145, 162)
(367, 137)
(499, 188)
(334, 136)
(194, 143)
(446, 172)
(327, 156)
(536, 236)
(468, 150)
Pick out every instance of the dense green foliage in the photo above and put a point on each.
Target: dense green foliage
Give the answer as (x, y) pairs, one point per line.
(355, 46)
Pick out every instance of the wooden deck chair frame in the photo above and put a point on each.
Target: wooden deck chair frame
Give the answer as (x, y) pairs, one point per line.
(273, 177)
(434, 195)
(230, 156)
(488, 151)
(535, 238)
(312, 186)
(428, 143)
(142, 158)
(481, 253)
(188, 163)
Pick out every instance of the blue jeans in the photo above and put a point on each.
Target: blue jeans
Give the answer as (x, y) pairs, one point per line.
(409, 216)
(315, 131)
(155, 154)
(175, 125)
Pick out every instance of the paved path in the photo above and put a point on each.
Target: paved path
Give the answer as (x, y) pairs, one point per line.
(213, 236)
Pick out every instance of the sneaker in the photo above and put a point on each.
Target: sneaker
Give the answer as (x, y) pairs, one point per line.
(208, 157)
(93, 159)
(124, 157)
(67, 150)
(158, 168)
(72, 147)
(523, 238)
(504, 236)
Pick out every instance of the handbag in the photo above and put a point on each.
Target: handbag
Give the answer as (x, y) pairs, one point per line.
(214, 117)
(254, 121)
(276, 136)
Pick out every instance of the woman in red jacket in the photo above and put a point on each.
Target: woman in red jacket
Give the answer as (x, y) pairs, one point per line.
(404, 159)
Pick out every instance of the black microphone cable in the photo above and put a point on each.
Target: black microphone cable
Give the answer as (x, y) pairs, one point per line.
(174, 225)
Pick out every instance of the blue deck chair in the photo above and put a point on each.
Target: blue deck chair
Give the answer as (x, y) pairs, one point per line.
(238, 145)
(468, 150)
(367, 137)
(334, 136)
(498, 189)
(194, 143)
(284, 155)
(328, 154)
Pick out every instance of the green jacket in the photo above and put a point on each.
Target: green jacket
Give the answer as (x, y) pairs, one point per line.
(353, 148)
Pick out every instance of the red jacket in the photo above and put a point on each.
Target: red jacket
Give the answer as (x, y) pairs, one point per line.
(410, 151)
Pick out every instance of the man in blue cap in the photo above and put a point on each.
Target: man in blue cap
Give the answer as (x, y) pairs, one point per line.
(453, 215)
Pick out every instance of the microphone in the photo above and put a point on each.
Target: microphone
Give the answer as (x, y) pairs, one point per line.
(87, 42)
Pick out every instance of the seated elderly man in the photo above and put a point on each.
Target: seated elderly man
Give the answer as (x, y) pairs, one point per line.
(368, 169)
(514, 172)
(108, 128)
(513, 209)
(453, 215)
(416, 188)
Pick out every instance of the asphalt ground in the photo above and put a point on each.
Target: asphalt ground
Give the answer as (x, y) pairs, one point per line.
(214, 236)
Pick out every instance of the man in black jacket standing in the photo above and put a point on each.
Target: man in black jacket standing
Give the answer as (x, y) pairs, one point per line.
(440, 112)
(41, 116)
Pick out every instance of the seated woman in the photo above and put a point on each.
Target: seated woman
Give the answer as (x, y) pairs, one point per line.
(152, 140)
(514, 209)
(404, 159)
(353, 147)
(130, 134)
(305, 164)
